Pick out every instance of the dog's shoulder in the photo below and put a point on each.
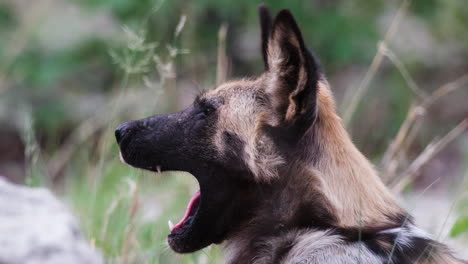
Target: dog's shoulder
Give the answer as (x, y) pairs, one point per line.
(403, 245)
(327, 246)
(304, 246)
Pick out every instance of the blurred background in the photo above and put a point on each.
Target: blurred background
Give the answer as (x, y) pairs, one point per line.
(71, 71)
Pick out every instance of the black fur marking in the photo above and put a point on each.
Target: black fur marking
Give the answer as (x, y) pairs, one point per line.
(418, 248)
(261, 99)
(265, 25)
(369, 233)
(199, 96)
(314, 214)
(234, 149)
(283, 250)
(386, 245)
(235, 143)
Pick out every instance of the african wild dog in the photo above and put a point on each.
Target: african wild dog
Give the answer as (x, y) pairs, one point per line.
(280, 180)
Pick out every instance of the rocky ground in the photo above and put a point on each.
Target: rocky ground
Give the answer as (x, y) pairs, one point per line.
(36, 228)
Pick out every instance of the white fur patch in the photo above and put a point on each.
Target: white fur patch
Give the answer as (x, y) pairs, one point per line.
(405, 235)
(324, 247)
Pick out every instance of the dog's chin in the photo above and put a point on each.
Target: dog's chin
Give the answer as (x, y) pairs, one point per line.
(193, 235)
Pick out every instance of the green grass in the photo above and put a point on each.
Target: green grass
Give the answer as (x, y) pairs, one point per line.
(125, 211)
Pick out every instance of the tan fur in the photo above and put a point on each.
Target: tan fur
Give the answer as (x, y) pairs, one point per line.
(239, 115)
(350, 181)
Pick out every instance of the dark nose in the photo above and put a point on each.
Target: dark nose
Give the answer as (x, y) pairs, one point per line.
(121, 131)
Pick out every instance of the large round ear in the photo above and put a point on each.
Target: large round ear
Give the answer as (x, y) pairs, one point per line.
(293, 72)
(266, 23)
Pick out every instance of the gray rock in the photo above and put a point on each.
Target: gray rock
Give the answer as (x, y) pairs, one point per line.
(36, 228)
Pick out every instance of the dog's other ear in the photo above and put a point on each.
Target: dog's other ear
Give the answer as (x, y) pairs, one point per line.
(293, 73)
(266, 23)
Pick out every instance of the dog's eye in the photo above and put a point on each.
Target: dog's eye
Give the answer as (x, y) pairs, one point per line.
(208, 109)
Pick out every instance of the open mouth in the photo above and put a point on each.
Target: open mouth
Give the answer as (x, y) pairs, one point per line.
(192, 207)
(203, 221)
(190, 214)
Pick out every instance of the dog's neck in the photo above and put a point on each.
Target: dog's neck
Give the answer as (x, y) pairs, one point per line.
(290, 205)
(349, 181)
(303, 200)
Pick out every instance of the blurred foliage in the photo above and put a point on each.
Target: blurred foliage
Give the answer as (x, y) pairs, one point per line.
(460, 227)
(70, 83)
(7, 20)
(343, 33)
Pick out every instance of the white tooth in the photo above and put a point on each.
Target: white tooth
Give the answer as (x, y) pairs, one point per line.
(158, 168)
(170, 224)
(121, 158)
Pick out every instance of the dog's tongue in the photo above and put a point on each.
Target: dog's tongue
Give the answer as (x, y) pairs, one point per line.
(192, 205)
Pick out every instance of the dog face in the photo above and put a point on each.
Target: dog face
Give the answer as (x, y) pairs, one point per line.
(233, 139)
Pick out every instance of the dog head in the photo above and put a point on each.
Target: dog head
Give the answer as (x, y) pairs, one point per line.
(234, 138)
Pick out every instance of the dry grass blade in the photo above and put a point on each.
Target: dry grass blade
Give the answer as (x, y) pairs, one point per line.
(456, 200)
(180, 26)
(36, 173)
(429, 152)
(80, 134)
(135, 205)
(375, 65)
(222, 66)
(351, 108)
(107, 215)
(62, 156)
(422, 95)
(411, 126)
(390, 161)
(446, 89)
